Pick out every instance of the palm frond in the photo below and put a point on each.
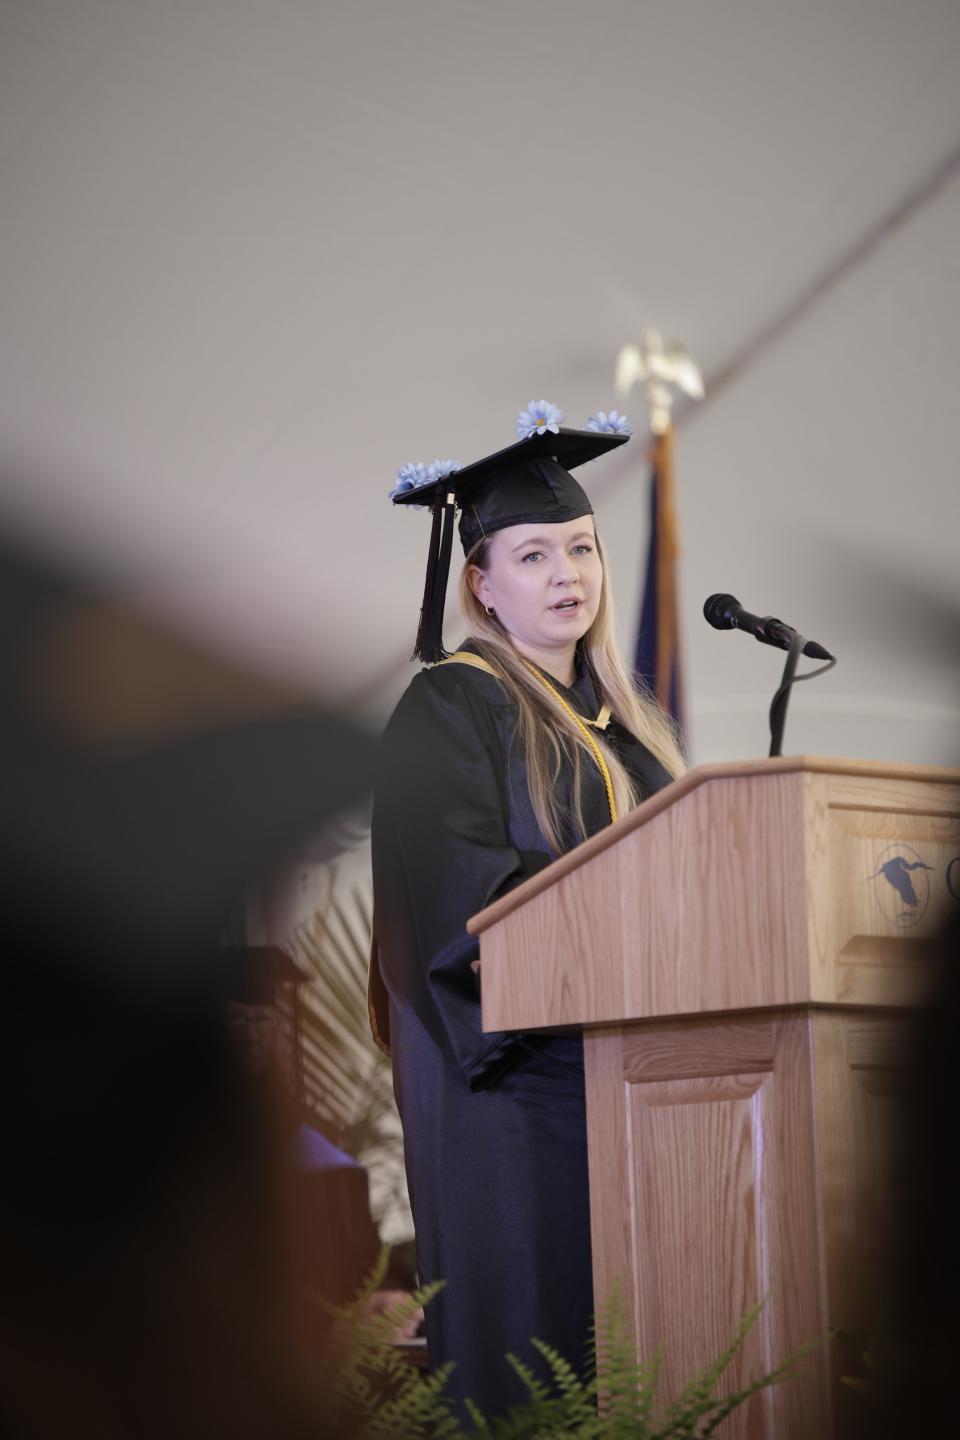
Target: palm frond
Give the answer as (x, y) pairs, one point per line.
(348, 1083)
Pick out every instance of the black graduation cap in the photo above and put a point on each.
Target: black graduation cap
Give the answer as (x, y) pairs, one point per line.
(527, 483)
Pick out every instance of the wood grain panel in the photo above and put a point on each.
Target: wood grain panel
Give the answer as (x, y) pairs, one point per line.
(697, 1147)
(751, 888)
(883, 943)
(694, 1048)
(879, 1042)
(861, 1076)
(609, 1148)
(704, 1196)
(703, 910)
(718, 920)
(548, 964)
(819, 880)
(881, 820)
(880, 976)
(870, 904)
(916, 794)
(792, 1223)
(939, 791)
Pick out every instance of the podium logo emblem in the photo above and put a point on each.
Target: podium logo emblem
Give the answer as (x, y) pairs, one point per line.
(953, 877)
(904, 890)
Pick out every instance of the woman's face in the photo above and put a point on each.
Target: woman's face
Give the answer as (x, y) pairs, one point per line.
(543, 582)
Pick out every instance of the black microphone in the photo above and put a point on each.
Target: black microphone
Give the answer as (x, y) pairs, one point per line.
(724, 612)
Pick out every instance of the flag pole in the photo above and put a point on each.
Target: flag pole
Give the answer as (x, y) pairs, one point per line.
(668, 658)
(662, 369)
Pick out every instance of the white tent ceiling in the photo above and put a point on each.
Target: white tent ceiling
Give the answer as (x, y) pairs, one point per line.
(255, 253)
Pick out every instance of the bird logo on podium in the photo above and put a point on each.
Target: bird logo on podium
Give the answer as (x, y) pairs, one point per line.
(905, 894)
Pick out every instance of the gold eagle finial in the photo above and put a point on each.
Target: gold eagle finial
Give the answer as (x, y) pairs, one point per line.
(658, 365)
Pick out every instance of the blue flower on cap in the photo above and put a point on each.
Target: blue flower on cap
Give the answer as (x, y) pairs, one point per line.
(612, 424)
(416, 474)
(539, 416)
(410, 477)
(440, 469)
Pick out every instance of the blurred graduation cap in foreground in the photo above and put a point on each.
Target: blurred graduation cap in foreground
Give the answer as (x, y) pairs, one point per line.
(148, 782)
(151, 1228)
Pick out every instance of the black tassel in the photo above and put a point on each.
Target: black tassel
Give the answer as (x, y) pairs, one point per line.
(429, 643)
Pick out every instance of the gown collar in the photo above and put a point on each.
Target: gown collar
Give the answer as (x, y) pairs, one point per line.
(581, 694)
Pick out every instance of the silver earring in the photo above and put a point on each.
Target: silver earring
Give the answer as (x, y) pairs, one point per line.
(489, 609)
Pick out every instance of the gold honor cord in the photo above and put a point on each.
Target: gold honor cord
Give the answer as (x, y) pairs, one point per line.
(582, 727)
(463, 657)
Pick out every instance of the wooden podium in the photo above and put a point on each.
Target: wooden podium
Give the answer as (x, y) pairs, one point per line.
(742, 952)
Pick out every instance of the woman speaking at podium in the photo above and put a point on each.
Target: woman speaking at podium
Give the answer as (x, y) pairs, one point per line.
(499, 758)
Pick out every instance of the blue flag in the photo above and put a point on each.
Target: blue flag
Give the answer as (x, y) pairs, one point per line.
(658, 661)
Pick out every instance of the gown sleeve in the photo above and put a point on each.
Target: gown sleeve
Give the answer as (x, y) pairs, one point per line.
(441, 852)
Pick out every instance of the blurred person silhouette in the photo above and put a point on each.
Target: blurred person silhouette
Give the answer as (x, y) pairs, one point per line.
(150, 1225)
(902, 1381)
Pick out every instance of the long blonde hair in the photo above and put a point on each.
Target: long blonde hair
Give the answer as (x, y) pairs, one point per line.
(545, 729)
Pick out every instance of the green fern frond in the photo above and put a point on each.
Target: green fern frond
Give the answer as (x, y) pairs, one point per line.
(481, 1430)
(417, 1408)
(626, 1386)
(378, 1395)
(566, 1379)
(702, 1385)
(373, 1282)
(785, 1371)
(535, 1388)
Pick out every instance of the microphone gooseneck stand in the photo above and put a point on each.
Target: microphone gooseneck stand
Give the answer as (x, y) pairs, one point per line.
(780, 701)
(724, 612)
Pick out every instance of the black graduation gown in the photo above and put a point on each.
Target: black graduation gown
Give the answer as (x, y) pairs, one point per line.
(494, 1124)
